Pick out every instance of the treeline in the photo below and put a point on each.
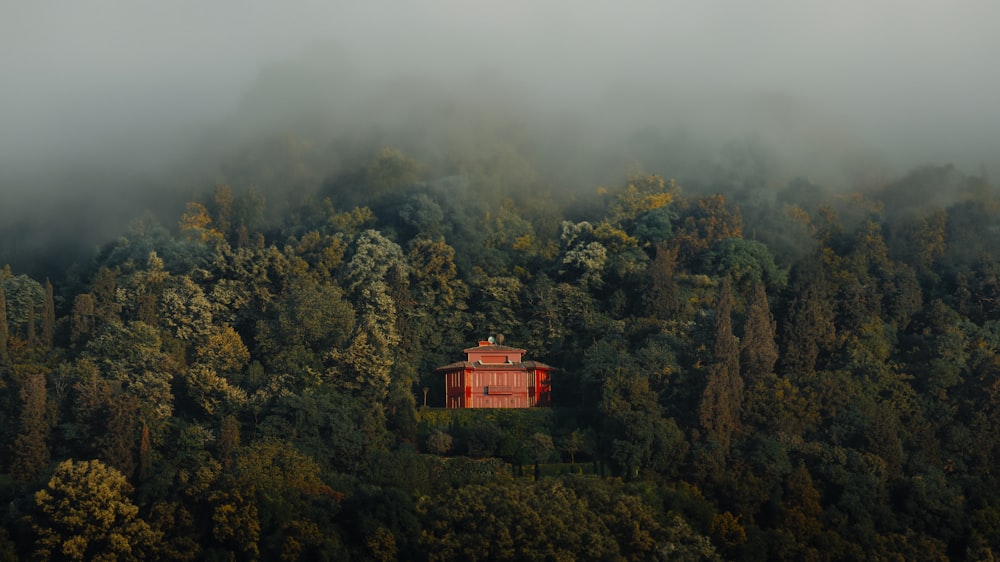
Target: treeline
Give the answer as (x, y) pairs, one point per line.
(777, 373)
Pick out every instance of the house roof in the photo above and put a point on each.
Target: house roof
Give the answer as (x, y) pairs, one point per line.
(493, 347)
(474, 365)
(538, 365)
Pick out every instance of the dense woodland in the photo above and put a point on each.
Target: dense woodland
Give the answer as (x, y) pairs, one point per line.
(749, 370)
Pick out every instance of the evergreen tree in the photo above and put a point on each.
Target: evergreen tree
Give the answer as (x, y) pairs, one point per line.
(82, 318)
(719, 412)
(32, 336)
(810, 327)
(48, 317)
(122, 435)
(229, 440)
(663, 294)
(4, 352)
(758, 350)
(31, 451)
(105, 296)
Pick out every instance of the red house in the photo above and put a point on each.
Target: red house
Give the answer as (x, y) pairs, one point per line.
(496, 376)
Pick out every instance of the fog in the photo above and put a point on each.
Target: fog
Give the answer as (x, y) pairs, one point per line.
(107, 106)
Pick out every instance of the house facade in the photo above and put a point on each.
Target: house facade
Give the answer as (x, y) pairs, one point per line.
(496, 376)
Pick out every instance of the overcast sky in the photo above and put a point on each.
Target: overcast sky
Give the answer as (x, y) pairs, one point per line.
(125, 84)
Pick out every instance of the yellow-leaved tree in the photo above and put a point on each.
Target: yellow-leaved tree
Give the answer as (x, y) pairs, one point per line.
(85, 513)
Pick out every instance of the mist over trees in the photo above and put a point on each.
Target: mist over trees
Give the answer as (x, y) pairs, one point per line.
(108, 114)
(777, 332)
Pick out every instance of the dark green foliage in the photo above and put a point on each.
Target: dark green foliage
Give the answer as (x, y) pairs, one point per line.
(24, 298)
(339, 431)
(4, 331)
(721, 403)
(746, 262)
(758, 347)
(48, 317)
(31, 449)
(662, 296)
(809, 327)
(578, 519)
(655, 226)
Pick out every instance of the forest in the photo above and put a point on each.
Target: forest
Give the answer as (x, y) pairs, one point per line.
(748, 370)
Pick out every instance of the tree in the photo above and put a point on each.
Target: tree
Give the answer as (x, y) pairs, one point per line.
(82, 318)
(758, 348)
(565, 519)
(222, 207)
(229, 440)
(390, 170)
(224, 351)
(185, 309)
(499, 303)
(801, 511)
(662, 296)
(48, 317)
(91, 401)
(121, 438)
(145, 455)
(4, 351)
(703, 222)
(104, 290)
(147, 286)
(32, 333)
(280, 483)
(636, 435)
(438, 313)
(367, 363)
(573, 444)
(214, 393)
(196, 224)
(308, 312)
(131, 357)
(85, 513)
(584, 257)
(23, 297)
(439, 442)
(339, 430)
(374, 257)
(809, 328)
(538, 448)
(745, 262)
(31, 452)
(513, 521)
(645, 202)
(719, 412)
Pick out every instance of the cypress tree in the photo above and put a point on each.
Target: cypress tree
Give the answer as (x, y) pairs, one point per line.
(82, 319)
(809, 329)
(229, 440)
(31, 452)
(49, 317)
(663, 294)
(145, 454)
(4, 353)
(118, 445)
(719, 412)
(105, 294)
(758, 349)
(32, 335)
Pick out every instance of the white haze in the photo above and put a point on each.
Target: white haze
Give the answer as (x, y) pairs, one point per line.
(108, 90)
